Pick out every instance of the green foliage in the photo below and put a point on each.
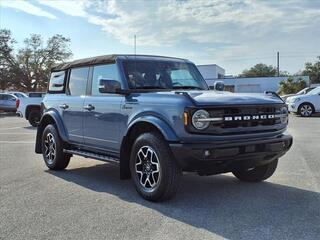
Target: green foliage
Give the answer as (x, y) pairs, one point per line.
(291, 85)
(313, 71)
(28, 69)
(260, 70)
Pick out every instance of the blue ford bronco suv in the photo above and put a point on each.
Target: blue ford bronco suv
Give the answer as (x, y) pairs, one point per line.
(156, 117)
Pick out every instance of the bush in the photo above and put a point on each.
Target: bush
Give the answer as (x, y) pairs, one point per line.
(291, 86)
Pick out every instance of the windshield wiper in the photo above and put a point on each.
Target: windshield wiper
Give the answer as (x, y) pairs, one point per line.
(187, 87)
(150, 87)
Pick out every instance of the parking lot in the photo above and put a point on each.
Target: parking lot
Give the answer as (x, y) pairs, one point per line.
(88, 201)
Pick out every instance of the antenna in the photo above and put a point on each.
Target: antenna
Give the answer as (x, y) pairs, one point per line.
(278, 64)
(135, 44)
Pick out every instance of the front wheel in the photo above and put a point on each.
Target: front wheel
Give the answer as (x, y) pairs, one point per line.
(52, 149)
(305, 110)
(153, 168)
(256, 174)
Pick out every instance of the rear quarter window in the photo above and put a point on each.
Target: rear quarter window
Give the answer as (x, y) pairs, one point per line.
(57, 80)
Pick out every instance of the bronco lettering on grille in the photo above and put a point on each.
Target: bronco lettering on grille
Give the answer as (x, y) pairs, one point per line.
(249, 117)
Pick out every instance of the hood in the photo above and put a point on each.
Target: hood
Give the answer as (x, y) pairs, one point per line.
(303, 97)
(202, 98)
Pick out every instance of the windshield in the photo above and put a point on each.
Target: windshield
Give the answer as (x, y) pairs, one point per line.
(314, 91)
(20, 95)
(163, 75)
(305, 90)
(302, 91)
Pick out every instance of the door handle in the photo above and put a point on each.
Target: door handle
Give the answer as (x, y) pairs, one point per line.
(64, 106)
(89, 107)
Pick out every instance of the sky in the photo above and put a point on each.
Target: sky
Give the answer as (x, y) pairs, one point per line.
(234, 34)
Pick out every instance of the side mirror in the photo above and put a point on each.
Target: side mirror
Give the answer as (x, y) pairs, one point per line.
(109, 86)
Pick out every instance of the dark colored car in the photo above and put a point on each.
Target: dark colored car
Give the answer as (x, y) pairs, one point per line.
(9, 102)
(156, 117)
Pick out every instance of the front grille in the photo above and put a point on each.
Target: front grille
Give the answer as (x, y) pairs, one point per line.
(246, 116)
(242, 120)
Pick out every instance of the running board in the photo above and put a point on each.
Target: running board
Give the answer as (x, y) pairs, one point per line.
(92, 155)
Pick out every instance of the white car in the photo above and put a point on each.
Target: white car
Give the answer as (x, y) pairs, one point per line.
(305, 105)
(302, 92)
(29, 108)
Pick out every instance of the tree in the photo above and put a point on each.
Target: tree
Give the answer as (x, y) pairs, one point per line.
(7, 59)
(292, 85)
(260, 70)
(29, 69)
(313, 71)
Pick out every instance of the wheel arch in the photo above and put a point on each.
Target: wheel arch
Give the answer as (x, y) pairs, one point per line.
(311, 104)
(29, 108)
(136, 128)
(50, 117)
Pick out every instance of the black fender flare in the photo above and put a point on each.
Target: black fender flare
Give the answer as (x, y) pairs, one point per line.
(50, 117)
(165, 129)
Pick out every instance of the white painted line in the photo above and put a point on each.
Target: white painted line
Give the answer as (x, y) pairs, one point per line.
(8, 133)
(19, 142)
(3, 129)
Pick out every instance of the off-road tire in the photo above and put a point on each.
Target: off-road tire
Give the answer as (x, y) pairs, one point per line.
(169, 171)
(256, 174)
(58, 160)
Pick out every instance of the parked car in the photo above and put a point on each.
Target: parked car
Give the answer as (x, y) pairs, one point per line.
(156, 117)
(19, 94)
(302, 92)
(9, 102)
(29, 108)
(305, 105)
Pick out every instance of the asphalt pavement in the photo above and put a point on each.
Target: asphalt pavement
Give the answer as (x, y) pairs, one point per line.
(89, 201)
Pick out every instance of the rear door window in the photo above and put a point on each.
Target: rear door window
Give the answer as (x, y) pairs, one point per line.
(78, 81)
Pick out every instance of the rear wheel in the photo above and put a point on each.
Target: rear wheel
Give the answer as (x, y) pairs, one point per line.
(153, 168)
(52, 149)
(256, 174)
(34, 118)
(306, 110)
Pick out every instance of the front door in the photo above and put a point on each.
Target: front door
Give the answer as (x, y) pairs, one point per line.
(102, 112)
(72, 104)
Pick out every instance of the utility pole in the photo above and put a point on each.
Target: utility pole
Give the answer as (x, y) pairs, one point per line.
(278, 63)
(135, 44)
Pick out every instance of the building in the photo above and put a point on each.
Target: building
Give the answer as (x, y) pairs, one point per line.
(212, 73)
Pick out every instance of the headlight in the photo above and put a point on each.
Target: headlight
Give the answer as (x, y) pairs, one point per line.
(296, 100)
(199, 119)
(284, 115)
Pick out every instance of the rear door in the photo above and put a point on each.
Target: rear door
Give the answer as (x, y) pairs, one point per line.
(72, 104)
(102, 112)
(8, 102)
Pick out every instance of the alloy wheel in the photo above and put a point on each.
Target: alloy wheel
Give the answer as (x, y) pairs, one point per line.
(148, 168)
(306, 110)
(50, 148)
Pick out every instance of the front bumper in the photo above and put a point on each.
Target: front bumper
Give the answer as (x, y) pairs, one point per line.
(292, 107)
(219, 157)
(19, 114)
